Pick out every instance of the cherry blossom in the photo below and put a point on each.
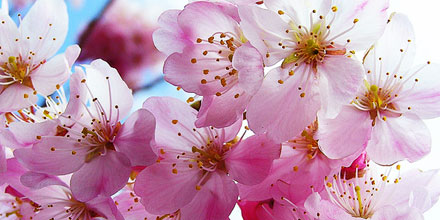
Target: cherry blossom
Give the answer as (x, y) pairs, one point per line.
(100, 149)
(29, 66)
(302, 165)
(390, 105)
(216, 61)
(197, 166)
(314, 40)
(378, 196)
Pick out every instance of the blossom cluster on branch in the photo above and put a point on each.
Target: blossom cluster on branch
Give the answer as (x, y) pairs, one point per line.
(286, 121)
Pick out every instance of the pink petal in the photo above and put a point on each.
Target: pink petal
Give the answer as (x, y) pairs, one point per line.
(110, 92)
(47, 19)
(279, 109)
(326, 209)
(12, 98)
(422, 98)
(340, 79)
(136, 137)
(164, 192)
(36, 180)
(404, 137)
(224, 110)
(372, 18)
(210, 19)
(251, 210)
(170, 38)
(50, 156)
(265, 40)
(72, 53)
(106, 207)
(26, 133)
(10, 47)
(299, 10)
(250, 161)
(180, 70)
(167, 109)
(249, 63)
(78, 97)
(345, 135)
(395, 38)
(104, 175)
(215, 200)
(397, 213)
(262, 191)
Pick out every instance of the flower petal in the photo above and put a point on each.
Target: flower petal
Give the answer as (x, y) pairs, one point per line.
(104, 175)
(422, 97)
(249, 63)
(50, 155)
(404, 137)
(250, 161)
(340, 79)
(164, 192)
(395, 52)
(13, 97)
(372, 19)
(210, 19)
(107, 86)
(47, 19)
(135, 138)
(215, 200)
(168, 111)
(26, 133)
(345, 135)
(283, 110)
(223, 111)
(265, 40)
(170, 38)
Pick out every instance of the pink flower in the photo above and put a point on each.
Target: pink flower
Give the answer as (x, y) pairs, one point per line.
(302, 165)
(27, 67)
(99, 149)
(123, 38)
(312, 39)
(213, 60)
(197, 166)
(391, 105)
(53, 200)
(374, 196)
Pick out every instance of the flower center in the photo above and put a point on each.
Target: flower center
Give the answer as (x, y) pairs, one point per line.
(219, 53)
(307, 142)
(378, 102)
(361, 195)
(100, 138)
(16, 70)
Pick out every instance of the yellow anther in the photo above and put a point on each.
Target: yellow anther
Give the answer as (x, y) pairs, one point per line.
(398, 167)
(295, 168)
(329, 184)
(198, 188)
(174, 171)
(334, 9)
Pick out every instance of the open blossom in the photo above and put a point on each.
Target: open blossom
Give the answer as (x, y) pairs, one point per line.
(302, 165)
(196, 167)
(53, 200)
(100, 150)
(391, 105)
(215, 62)
(377, 196)
(313, 40)
(28, 67)
(123, 38)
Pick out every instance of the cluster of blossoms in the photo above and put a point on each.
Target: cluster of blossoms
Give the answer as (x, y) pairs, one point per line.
(318, 136)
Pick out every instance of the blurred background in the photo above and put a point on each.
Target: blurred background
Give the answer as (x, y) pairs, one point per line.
(119, 31)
